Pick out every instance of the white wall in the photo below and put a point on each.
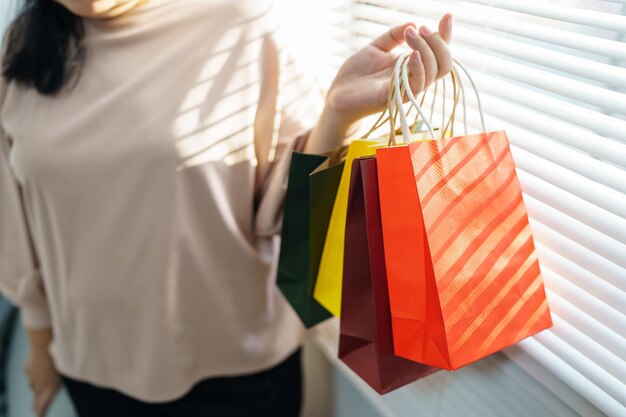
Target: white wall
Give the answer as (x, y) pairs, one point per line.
(6, 10)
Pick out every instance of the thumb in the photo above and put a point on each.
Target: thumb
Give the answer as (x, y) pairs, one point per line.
(392, 38)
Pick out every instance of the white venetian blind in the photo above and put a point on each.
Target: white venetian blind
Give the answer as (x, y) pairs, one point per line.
(553, 75)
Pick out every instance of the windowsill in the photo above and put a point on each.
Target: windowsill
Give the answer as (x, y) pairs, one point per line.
(501, 384)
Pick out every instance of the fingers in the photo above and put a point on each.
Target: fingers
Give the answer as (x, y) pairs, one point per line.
(433, 48)
(440, 50)
(429, 61)
(445, 28)
(392, 38)
(43, 391)
(38, 407)
(417, 73)
(42, 401)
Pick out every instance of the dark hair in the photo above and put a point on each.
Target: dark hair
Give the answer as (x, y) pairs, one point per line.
(43, 47)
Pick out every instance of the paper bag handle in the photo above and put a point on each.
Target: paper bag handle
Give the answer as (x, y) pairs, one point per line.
(401, 71)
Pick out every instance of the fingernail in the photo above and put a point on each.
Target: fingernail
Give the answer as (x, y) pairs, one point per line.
(416, 57)
(449, 21)
(425, 31)
(411, 32)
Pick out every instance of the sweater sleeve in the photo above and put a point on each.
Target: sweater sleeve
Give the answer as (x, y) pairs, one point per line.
(290, 103)
(20, 279)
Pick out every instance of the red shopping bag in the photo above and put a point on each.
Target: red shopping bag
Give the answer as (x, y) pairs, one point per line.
(463, 275)
(365, 342)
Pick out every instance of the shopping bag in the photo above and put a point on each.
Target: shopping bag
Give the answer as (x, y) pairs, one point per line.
(308, 204)
(463, 275)
(328, 286)
(365, 341)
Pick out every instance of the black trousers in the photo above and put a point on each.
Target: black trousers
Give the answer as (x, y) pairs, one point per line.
(276, 392)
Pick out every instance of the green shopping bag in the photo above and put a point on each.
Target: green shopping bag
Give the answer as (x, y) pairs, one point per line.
(311, 189)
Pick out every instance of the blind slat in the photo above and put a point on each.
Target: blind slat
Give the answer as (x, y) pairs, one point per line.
(596, 375)
(590, 326)
(601, 220)
(580, 277)
(608, 21)
(552, 178)
(582, 255)
(592, 350)
(575, 230)
(592, 306)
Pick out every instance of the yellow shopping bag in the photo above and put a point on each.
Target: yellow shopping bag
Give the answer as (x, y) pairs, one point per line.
(328, 287)
(329, 277)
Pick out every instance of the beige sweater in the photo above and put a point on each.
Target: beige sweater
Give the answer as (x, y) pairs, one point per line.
(138, 208)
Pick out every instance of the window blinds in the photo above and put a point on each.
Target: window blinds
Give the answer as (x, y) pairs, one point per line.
(553, 75)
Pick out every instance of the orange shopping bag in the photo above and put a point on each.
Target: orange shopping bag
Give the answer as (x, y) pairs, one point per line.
(463, 276)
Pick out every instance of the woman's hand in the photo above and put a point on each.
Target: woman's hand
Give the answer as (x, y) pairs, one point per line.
(42, 375)
(362, 83)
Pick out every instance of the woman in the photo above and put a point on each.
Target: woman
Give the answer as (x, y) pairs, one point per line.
(145, 146)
